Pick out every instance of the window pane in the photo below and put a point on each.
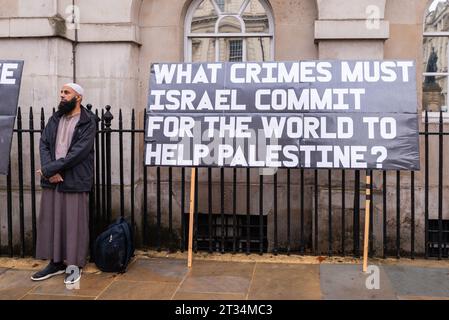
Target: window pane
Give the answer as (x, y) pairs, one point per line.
(204, 18)
(221, 4)
(235, 50)
(437, 17)
(255, 17)
(435, 54)
(258, 49)
(203, 50)
(233, 18)
(435, 94)
(231, 49)
(223, 49)
(230, 25)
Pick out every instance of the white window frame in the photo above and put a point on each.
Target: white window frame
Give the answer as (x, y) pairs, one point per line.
(188, 35)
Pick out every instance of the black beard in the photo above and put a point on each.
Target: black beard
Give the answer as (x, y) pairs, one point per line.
(67, 106)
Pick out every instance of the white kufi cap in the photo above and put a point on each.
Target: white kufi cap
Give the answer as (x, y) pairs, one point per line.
(78, 89)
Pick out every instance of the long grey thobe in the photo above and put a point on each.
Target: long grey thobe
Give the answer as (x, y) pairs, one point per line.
(63, 222)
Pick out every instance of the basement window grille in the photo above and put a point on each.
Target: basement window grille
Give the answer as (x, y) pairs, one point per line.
(433, 238)
(203, 235)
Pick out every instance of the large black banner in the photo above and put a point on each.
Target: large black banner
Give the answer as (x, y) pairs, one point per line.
(10, 78)
(305, 114)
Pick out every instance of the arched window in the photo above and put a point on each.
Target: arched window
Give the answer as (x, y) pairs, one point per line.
(435, 64)
(229, 30)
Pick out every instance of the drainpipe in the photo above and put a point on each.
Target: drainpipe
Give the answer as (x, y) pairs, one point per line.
(74, 43)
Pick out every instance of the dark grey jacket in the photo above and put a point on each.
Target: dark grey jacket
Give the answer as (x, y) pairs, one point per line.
(77, 168)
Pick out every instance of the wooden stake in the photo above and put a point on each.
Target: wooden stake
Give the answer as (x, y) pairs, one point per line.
(191, 216)
(367, 216)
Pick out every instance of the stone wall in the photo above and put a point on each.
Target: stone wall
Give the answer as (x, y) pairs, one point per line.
(118, 40)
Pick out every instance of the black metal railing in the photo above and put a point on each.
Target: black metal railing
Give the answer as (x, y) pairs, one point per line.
(291, 211)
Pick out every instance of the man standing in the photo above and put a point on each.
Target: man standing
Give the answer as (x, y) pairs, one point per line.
(67, 164)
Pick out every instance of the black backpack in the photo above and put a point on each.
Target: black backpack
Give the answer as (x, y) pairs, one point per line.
(114, 247)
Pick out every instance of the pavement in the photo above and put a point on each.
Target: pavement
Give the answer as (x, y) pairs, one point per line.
(163, 276)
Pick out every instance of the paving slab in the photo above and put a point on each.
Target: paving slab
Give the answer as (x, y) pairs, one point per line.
(139, 290)
(90, 285)
(218, 277)
(159, 270)
(415, 281)
(168, 278)
(348, 282)
(285, 282)
(14, 284)
(33, 296)
(422, 298)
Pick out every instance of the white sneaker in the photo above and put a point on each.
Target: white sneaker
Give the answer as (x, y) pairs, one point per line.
(52, 269)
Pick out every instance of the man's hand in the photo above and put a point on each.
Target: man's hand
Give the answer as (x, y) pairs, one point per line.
(56, 178)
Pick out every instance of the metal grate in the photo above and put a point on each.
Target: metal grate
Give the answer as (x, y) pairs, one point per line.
(233, 236)
(433, 244)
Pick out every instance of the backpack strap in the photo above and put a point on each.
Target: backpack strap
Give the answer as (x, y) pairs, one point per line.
(129, 241)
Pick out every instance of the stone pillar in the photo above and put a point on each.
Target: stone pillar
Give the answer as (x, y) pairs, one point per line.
(107, 46)
(35, 31)
(348, 29)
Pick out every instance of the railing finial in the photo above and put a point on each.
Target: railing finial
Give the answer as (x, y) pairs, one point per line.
(107, 117)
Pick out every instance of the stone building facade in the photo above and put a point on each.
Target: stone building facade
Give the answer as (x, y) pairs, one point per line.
(108, 46)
